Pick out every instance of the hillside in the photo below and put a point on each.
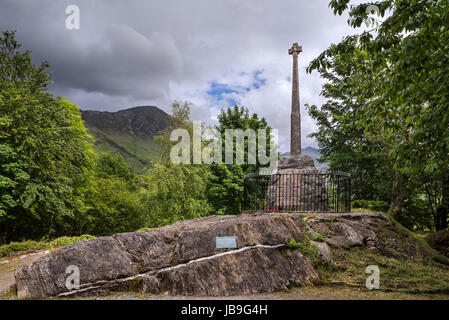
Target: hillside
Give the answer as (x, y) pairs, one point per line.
(129, 132)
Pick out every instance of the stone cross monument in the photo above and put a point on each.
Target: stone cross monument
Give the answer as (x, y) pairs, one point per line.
(297, 185)
(296, 162)
(295, 125)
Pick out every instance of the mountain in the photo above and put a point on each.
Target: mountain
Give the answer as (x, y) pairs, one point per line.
(129, 132)
(314, 154)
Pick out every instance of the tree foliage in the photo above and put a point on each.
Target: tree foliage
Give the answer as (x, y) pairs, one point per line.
(44, 146)
(176, 191)
(226, 182)
(399, 89)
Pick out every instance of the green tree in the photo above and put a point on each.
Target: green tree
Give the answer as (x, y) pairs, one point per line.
(406, 98)
(114, 165)
(179, 119)
(176, 191)
(113, 199)
(343, 143)
(46, 151)
(225, 189)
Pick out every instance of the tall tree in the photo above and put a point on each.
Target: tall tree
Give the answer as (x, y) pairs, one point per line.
(226, 183)
(342, 141)
(409, 63)
(44, 146)
(176, 191)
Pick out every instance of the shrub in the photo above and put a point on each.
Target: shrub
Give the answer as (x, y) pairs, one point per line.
(307, 249)
(14, 247)
(373, 205)
(8, 249)
(64, 241)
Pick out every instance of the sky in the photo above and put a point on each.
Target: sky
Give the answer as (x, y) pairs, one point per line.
(211, 53)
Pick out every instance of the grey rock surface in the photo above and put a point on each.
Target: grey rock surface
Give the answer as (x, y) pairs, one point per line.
(182, 259)
(250, 271)
(324, 251)
(296, 162)
(98, 259)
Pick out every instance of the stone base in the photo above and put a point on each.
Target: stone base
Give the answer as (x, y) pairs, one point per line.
(290, 191)
(299, 163)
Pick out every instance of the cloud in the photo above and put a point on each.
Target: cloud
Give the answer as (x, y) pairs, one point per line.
(212, 53)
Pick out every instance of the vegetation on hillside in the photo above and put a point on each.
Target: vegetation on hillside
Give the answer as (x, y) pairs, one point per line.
(30, 245)
(138, 152)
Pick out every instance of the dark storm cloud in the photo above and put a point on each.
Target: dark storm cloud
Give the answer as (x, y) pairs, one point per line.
(113, 59)
(128, 53)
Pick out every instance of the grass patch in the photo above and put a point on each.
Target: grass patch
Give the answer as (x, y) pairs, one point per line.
(146, 229)
(306, 249)
(423, 274)
(369, 205)
(30, 245)
(319, 237)
(10, 295)
(434, 254)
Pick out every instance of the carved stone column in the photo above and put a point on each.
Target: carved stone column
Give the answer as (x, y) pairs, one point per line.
(295, 125)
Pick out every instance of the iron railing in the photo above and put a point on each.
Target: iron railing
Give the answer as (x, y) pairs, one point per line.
(297, 192)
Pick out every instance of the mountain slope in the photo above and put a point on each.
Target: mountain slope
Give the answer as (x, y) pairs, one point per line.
(129, 132)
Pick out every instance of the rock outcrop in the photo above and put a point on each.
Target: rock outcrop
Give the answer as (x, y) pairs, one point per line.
(182, 259)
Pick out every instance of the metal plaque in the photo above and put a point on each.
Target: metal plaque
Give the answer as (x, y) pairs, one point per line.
(225, 242)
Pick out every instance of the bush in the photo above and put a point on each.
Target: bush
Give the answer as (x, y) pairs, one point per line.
(373, 205)
(8, 249)
(65, 241)
(174, 193)
(14, 247)
(417, 215)
(307, 249)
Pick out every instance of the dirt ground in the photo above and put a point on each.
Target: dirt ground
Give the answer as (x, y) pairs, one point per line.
(309, 293)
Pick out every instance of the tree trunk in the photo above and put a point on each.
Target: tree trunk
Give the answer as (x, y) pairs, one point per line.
(398, 194)
(441, 213)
